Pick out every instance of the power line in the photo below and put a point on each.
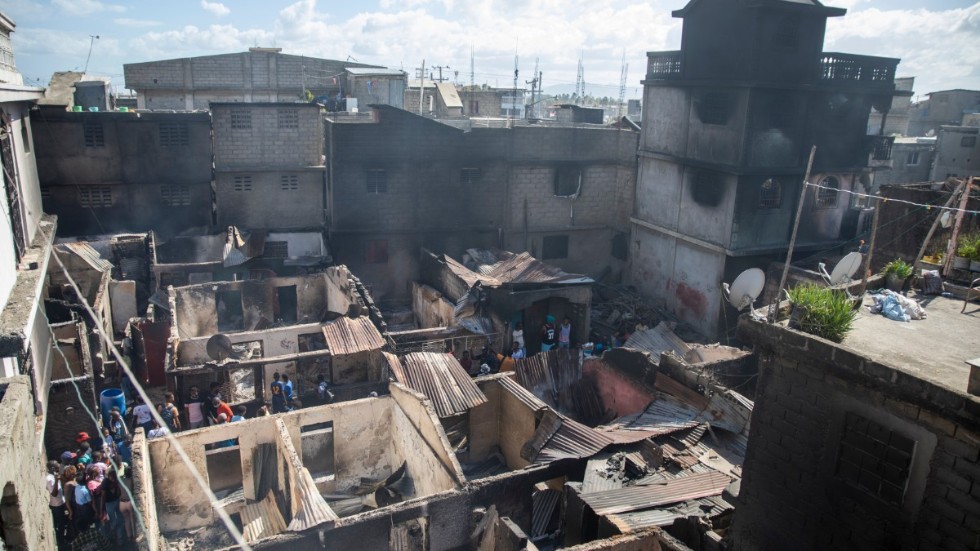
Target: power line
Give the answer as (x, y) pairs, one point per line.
(177, 447)
(887, 199)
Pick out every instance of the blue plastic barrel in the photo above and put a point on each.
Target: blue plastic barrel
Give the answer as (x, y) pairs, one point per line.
(111, 398)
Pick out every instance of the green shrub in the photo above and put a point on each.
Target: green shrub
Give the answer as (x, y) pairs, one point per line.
(969, 246)
(899, 268)
(822, 311)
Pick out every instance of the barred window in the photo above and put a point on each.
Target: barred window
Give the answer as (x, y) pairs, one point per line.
(174, 135)
(95, 196)
(243, 183)
(770, 194)
(827, 192)
(276, 249)
(874, 458)
(289, 182)
(377, 180)
(175, 196)
(94, 136)
(469, 176)
(288, 118)
(241, 119)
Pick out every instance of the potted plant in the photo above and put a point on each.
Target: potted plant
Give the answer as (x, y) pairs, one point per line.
(966, 250)
(821, 311)
(897, 272)
(973, 251)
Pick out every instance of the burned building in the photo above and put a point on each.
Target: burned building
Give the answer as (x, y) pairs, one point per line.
(268, 165)
(258, 75)
(400, 182)
(114, 172)
(872, 443)
(728, 124)
(298, 326)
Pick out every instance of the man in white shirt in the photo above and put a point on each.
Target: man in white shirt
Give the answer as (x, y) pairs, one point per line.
(143, 417)
(195, 409)
(157, 431)
(56, 502)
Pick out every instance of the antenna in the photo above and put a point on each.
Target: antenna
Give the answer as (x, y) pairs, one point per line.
(472, 74)
(580, 79)
(516, 71)
(745, 289)
(622, 83)
(91, 42)
(843, 271)
(529, 112)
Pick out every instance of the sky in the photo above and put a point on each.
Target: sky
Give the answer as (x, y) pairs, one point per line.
(935, 39)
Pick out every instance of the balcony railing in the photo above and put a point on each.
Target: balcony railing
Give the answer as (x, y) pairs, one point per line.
(881, 147)
(664, 65)
(850, 68)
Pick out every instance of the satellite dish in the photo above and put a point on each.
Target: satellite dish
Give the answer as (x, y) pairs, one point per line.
(843, 271)
(219, 347)
(745, 289)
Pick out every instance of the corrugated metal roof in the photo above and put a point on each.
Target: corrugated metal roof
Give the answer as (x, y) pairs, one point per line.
(522, 394)
(262, 519)
(510, 268)
(633, 498)
(573, 440)
(350, 336)
(604, 472)
(640, 520)
(664, 415)
(83, 250)
(658, 340)
(440, 378)
(548, 374)
(543, 503)
(728, 410)
(314, 510)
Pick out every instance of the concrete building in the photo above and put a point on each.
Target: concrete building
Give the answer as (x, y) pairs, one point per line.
(376, 86)
(268, 165)
(869, 444)
(26, 352)
(957, 153)
(896, 119)
(401, 182)
(912, 160)
(115, 172)
(942, 108)
(258, 75)
(727, 130)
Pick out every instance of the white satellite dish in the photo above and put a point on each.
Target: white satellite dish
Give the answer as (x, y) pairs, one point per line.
(745, 289)
(843, 271)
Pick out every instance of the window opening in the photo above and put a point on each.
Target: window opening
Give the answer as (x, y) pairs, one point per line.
(243, 183)
(827, 193)
(568, 181)
(875, 459)
(289, 182)
(175, 196)
(95, 196)
(318, 449)
(288, 118)
(230, 314)
(174, 135)
(241, 119)
(770, 194)
(94, 136)
(286, 304)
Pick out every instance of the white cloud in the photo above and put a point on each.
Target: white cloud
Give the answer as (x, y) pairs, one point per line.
(215, 8)
(87, 7)
(938, 47)
(129, 22)
(192, 40)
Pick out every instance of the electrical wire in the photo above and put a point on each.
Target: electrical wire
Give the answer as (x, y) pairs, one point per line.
(887, 199)
(177, 447)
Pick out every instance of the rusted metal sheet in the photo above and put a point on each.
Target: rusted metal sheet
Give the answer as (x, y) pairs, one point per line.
(350, 336)
(524, 395)
(664, 415)
(90, 256)
(728, 410)
(573, 440)
(641, 520)
(550, 374)
(442, 380)
(547, 427)
(496, 268)
(604, 472)
(658, 340)
(634, 498)
(262, 519)
(543, 503)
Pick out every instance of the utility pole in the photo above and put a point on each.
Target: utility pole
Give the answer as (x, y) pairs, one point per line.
(514, 104)
(528, 111)
(622, 83)
(440, 68)
(472, 74)
(580, 81)
(421, 85)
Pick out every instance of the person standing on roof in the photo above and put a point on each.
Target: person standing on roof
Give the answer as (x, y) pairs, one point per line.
(287, 390)
(278, 399)
(549, 337)
(143, 416)
(565, 334)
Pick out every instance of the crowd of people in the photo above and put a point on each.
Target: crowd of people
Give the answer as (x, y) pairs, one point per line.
(88, 491)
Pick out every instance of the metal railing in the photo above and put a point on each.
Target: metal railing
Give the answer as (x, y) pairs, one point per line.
(838, 67)
(664, 65)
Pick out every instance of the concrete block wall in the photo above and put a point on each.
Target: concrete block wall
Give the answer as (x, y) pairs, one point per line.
(66, 414)
(268, 205)
(791, 496)
(265, 144)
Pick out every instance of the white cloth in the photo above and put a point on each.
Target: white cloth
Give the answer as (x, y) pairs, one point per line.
(158, 432)
(54, 500)
(518, 335)
(195, 413)
(142, 413)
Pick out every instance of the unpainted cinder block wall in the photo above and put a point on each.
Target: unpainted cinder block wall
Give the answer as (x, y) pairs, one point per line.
(792, 495)
(27, 522)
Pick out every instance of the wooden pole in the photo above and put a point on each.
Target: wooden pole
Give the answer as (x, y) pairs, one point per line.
(935, 223)
(774, 307)
(871, 246)
(951, 248)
